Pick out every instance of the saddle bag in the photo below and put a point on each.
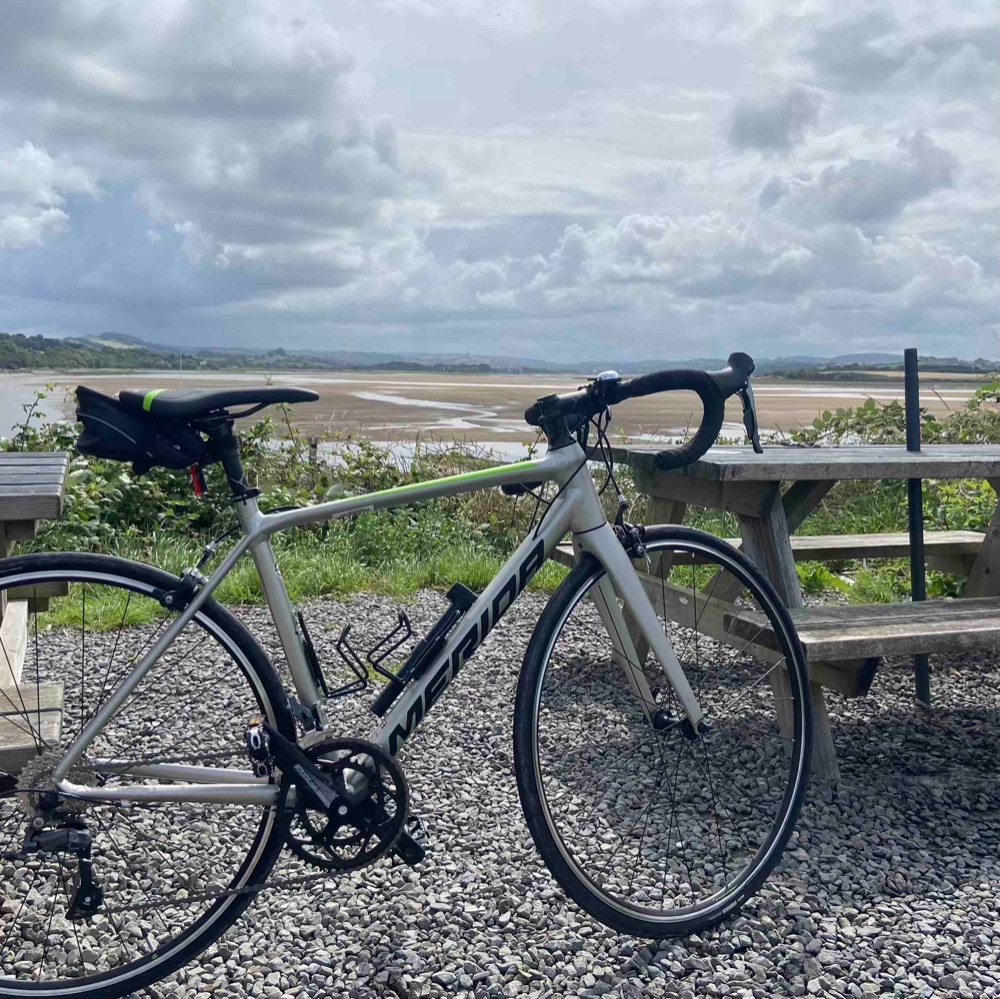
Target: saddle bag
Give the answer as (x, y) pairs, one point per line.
(118, 432)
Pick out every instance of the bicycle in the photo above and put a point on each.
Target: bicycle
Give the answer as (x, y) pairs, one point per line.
(660, 770)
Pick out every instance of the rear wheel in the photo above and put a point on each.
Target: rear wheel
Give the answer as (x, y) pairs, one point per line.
(651, 831)
(160, 867)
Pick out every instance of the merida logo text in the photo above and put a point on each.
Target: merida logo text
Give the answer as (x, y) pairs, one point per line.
(446, 671)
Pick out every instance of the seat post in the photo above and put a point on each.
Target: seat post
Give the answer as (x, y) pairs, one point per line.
(227, 444)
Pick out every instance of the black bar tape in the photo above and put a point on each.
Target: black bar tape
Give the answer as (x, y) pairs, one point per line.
(680, 379)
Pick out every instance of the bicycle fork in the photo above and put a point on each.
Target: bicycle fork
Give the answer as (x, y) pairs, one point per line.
(621, 580)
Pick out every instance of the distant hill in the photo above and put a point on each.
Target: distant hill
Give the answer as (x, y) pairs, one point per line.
(20, 352)
(121, 350)
(124, 351)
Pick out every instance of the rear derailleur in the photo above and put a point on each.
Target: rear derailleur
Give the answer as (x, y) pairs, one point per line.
(342, 802)
(73, 838)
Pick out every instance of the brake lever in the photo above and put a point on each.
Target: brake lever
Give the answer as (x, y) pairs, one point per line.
(750, 417)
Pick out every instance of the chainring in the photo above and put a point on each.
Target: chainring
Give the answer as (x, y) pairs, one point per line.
(366, 821)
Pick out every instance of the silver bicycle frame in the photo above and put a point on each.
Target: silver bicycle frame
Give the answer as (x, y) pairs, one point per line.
(576, 510)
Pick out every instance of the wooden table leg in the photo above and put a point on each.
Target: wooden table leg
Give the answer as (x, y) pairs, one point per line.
(984, 578)
(766, 542)
(13, 627)
(5, 547)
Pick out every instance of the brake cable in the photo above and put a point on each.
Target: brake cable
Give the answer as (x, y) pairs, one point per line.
(213, 546)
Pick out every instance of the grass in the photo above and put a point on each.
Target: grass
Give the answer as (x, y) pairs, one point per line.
(308, 570)
(431, 547)
(154, 519)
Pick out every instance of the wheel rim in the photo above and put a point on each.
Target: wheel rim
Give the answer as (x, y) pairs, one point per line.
(613, 790)
(190, 708)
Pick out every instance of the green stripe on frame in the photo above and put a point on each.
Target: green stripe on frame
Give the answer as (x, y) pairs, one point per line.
(147, 399)
(481, 473)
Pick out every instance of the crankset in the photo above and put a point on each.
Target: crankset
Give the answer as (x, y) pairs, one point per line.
(342, 803)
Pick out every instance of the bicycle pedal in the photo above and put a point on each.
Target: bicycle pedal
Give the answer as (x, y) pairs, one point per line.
(411, 847)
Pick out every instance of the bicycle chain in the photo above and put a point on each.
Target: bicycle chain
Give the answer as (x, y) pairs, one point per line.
(205, 896)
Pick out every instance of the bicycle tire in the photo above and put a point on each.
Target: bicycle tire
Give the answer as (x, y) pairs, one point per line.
(567, 868)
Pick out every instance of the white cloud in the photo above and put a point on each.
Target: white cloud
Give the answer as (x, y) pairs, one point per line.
(33, 192)
(904, 51)
(863, 191)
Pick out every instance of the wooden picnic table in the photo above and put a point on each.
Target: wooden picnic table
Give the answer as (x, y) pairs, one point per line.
(32, 487)
(773, 493)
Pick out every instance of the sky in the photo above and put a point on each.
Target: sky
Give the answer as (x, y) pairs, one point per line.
(601, 178)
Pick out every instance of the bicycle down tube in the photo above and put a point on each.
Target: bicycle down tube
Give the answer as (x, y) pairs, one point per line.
(576, 510)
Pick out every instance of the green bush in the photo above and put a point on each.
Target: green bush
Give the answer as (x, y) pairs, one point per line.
(157, 517)
(877, 507)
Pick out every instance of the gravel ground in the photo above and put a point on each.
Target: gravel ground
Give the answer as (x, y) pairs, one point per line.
(888, 887)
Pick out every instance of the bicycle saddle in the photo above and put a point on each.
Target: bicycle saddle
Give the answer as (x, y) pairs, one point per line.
(190, 404)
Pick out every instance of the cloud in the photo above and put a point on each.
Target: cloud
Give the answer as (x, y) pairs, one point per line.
(873, 50)
(673, 261)
(33, 192)
(863, 191)
(565, 181)
(776, 122)
(234, 126)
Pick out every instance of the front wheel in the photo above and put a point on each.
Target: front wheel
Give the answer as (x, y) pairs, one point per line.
(650, 830)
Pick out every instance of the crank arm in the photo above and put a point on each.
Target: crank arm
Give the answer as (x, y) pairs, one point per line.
(309, 779)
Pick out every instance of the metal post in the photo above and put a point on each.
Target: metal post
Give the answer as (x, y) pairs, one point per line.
(915, 503)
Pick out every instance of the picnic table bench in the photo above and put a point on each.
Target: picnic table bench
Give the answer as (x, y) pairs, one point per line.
(773, 493)
(32, 486)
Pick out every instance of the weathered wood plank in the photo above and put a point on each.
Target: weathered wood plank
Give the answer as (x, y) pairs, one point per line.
(852, 678)
(753, 499)
(843, 547)
(47, 490)
(50, 588)
(32, 485)
(623, 650)
(658, 511)
(5, 545)
(984, 576)
(13, 641)
(30, 476)
(952, 565)
(25, 506)
(792, 464)
(767, 543)
(33, 458)
(934, 626)
(714, 616)
(563, 554)
(27, 712)
(801, 498)
(21, 530)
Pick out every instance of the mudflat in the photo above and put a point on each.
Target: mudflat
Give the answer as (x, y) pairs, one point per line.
(489, 408)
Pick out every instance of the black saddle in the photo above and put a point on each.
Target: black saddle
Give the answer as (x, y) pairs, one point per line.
(191, 404)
